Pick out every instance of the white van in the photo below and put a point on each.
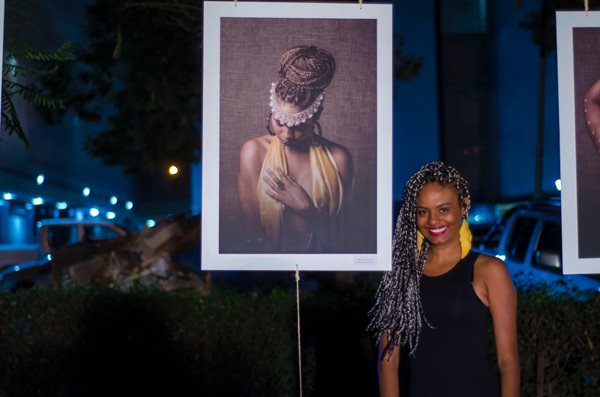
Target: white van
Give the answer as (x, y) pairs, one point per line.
(528, 240)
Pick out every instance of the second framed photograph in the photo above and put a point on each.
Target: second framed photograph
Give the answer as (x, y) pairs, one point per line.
(578, 40)
(297, 136)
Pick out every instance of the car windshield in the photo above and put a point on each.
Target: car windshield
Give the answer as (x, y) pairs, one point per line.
(97, 232)
(519, 238)
(59, 236)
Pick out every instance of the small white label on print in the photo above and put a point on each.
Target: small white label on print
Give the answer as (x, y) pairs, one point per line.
(364, 260)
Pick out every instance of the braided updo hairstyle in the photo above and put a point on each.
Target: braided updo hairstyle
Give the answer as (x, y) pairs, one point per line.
(398, 311)
(304, 73)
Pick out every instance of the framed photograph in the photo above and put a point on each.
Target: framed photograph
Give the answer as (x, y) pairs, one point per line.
(297, 136)
(578, 40)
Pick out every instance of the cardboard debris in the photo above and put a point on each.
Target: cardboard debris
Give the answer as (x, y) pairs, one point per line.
(144, 259)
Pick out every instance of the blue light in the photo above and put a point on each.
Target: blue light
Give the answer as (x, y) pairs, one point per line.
(8, 196)
(128, 205)
(17, 268)
(150, 223)
(110, 215)
(86, 191)
(37, 201)
(94, 212)
(61, 205)
(481, 214)
(28, 206)
(113, 200)
(40, 179)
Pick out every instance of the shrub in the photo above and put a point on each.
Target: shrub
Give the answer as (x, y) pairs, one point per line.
(559, 342)
(93, 342)
(98, 342)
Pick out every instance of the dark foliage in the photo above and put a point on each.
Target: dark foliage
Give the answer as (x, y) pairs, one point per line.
(559, 335)
(542, 23)
(94, 342)
(91, 342)
(405, 67)
(142, 77)
(29, 73)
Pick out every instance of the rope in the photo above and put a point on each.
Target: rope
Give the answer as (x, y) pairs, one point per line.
(298, 327)
(586, 4)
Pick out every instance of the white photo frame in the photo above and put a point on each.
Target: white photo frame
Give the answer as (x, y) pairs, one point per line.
(580, 159)
(242, 46)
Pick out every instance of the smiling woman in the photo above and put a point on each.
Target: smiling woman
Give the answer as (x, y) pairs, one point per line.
(437, 301)
(440, 215)
(294, 184)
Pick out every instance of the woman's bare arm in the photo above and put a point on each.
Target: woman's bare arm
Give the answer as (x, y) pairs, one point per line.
(345, 166)
(502, 301)
(249, 172)
(387, 369)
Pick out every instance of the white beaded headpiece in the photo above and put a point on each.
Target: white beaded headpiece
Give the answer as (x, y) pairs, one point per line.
(293, 119)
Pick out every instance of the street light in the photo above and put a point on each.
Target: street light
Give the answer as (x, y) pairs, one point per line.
(173, 170)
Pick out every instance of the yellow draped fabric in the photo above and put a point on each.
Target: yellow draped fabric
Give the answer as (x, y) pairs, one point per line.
(327, 187)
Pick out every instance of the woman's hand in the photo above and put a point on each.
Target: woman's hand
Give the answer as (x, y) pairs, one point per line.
(285, 190)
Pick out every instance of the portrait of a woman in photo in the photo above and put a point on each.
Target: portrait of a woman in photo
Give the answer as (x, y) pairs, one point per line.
(294, 184)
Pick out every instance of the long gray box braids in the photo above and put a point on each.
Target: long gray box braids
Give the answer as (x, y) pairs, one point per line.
(397, 310)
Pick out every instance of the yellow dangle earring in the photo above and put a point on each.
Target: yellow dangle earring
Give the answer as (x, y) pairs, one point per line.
(465, 238)
(420, 239)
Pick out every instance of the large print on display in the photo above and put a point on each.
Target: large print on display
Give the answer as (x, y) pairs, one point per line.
(578, 39)
(296, 136)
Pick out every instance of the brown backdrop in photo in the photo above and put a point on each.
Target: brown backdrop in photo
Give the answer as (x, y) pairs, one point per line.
(586, 42)
(250, 52)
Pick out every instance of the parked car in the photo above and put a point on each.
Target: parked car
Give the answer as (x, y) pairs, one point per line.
(27, 274)
(110, 258)
(528, 240)
(53, 234)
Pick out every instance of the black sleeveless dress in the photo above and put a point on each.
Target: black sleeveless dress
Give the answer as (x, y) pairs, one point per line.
(452, 357)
